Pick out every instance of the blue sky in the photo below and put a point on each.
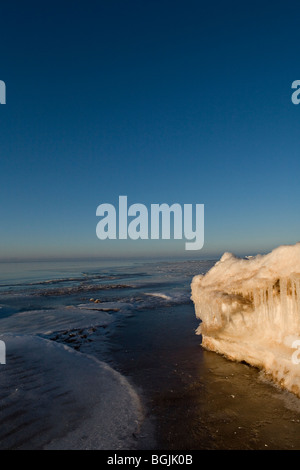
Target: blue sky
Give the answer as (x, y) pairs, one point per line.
(162, 101)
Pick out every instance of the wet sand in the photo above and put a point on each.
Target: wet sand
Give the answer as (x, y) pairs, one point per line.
(196, 399)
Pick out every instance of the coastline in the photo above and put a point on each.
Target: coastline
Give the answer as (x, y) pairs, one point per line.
(196, 399)
(190, 398)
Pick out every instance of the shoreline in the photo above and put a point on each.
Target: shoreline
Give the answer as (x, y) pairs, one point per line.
(192, 399)
(56, 398)
(197, 399)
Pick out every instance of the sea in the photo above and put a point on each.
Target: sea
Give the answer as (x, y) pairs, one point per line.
(119, 338)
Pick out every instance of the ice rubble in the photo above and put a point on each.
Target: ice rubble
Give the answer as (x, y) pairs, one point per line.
(250, 311)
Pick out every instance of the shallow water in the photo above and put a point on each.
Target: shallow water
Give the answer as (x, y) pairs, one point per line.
(198, 399)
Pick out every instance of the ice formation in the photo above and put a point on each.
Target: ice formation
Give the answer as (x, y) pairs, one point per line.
(53, 397)
(58, 319)
(250, 311)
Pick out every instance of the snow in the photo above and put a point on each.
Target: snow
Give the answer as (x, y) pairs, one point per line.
(250, 311)
(53, 397)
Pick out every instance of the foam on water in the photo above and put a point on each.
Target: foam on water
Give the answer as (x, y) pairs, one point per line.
(160, 296)
(250, 311)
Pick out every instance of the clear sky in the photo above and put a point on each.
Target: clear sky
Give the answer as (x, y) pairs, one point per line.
(160, 100)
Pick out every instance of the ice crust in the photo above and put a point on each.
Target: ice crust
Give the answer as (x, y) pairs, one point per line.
(53, 397)
(250, 311)
(60, 318)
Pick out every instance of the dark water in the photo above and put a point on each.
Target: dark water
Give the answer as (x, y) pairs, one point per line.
(198, 399)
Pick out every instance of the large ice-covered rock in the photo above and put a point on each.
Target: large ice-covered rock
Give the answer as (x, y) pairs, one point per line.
(250, 311)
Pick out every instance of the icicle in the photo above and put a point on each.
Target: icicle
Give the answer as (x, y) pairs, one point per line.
(250, 309)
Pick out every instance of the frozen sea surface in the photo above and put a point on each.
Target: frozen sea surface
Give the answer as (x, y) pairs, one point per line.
(53, 397)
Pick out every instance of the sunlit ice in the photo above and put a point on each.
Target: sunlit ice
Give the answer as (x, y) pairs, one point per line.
(250, 311)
